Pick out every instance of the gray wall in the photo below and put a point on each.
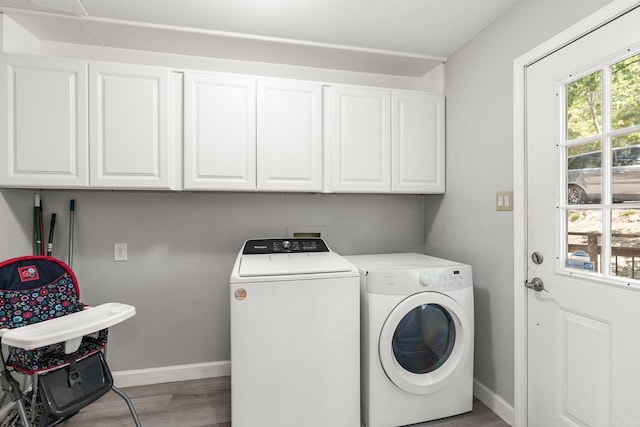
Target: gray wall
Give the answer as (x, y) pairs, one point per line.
(463, 224)
(16, 223)
(182, 247)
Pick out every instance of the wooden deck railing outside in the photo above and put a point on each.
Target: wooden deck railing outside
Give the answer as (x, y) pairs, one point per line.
(593, 249)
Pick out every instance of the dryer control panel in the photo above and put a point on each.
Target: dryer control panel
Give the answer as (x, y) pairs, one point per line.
(284, 245)
(410, 281)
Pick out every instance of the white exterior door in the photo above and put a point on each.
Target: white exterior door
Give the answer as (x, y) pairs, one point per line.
(219, 132)
(289, 135)
(43, 117)
(583, 347)
(360, 140)
(129, 126)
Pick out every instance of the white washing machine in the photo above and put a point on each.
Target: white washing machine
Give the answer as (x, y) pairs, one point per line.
(295, 336)
(417, 338)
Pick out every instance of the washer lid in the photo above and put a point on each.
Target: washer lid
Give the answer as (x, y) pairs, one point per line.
(292, 263)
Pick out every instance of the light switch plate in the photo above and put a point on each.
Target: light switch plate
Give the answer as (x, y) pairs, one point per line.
(504, 201)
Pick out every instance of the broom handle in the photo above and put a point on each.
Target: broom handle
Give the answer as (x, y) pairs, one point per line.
(72, 212)
(51, 228)
(36, 225)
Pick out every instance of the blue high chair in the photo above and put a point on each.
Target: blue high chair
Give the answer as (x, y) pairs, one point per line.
(48, 335)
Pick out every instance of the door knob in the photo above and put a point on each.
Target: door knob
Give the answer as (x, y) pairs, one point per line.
(536, 284)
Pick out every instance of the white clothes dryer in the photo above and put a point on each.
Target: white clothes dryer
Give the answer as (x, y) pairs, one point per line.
(295, 347)
(416, 338)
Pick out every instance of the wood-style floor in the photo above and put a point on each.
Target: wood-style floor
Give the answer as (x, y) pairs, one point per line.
(207, 403)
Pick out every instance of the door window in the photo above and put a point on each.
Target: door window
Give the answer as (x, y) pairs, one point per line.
(600, 149)
(424, 339)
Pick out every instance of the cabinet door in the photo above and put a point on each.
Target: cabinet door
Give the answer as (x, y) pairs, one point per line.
(360, 140)
(289, 135)
(43, 120)
(129, 126)
(219, 132)
(417, 123)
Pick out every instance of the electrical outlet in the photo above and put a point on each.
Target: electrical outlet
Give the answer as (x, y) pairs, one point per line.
(119, 251)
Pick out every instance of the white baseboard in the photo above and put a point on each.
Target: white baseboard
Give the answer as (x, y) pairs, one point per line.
(494, 402)
(166, 374)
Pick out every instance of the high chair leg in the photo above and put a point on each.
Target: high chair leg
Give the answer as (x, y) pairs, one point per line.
(34, 395)
(126, 398)
(11, 387)
(23, 413)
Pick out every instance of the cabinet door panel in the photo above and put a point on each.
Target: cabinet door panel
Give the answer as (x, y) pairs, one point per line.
(129, 126)
(220, 133)
(44, 118)
(417, 121)
(360, 140)
(289, 135)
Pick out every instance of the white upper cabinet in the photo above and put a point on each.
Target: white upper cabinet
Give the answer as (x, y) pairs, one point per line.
(289, 135)
(417, 142)
(384, 141)
(129, 129)
(219, 132)
(43, 123)
(74, 124)
(360, 140)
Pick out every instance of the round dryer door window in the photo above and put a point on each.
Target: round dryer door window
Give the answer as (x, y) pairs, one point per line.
(424, 338)
(424, 341)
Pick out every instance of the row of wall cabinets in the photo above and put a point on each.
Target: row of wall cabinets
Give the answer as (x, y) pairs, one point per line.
(84, 124)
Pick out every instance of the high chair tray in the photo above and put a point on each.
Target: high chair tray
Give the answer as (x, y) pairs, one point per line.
(68, 328)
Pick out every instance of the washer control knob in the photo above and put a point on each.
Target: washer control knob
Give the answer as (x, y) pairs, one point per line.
(286, 244)
(424, 280)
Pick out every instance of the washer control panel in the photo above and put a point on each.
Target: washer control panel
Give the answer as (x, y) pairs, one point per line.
(284, 245)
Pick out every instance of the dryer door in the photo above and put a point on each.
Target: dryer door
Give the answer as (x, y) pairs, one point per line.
(424, 342)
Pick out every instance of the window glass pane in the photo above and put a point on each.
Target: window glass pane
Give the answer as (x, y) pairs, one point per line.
(587, 143)
(625, 243)
(625, 157)
(584, 173)
(584, 102)
(584, 231)
(424, 339)
(625, 93)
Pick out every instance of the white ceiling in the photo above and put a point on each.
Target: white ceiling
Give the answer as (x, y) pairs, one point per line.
(402, 37)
